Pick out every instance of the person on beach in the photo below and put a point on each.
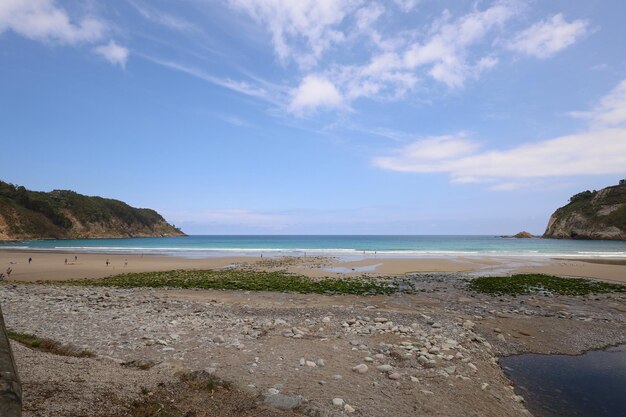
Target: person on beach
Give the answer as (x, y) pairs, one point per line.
(65, 261)
(75, 258)
(125, 263)
(9, 270)
(107, 262)
(30, 260)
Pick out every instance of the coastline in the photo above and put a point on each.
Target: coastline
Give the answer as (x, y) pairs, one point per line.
(50, 265)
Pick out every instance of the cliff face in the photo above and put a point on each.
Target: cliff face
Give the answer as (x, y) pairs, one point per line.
(62, 214)
(591, 215)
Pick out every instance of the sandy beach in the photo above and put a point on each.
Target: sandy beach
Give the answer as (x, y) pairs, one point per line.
(52, 266)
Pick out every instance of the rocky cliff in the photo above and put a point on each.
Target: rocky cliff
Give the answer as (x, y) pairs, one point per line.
(591, 215)
(62, 214)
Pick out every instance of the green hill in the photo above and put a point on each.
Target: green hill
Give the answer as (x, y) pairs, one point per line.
(63, 214)
(591, 215)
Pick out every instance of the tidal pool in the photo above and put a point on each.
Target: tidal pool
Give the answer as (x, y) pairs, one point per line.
(588, 385)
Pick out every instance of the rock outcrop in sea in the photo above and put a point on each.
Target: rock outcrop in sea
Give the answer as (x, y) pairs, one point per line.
(591, 215)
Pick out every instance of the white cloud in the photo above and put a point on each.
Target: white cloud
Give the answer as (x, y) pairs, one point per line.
(406, 5)
(114, 53)
(590, 153)
(610, 111)
(444, 54)
(303, 29)
(601, 150)
(545, 38)
(314, 92)
(446, 51)
(43, 20)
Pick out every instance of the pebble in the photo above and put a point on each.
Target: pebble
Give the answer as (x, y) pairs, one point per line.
(384, 368)
(360, 368)
(218, 339)
(348, 409)
(310, 364)
(338, 402)
(394, 376)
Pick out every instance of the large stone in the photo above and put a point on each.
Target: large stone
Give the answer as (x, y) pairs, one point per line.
(283, 402)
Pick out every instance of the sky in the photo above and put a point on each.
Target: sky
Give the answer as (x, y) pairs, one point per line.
(317, 116)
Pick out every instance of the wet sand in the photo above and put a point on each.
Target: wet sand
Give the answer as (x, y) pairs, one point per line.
(51, 265)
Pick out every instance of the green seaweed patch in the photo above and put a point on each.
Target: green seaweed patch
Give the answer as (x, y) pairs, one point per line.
(46, 345)
(248, 280)
(520, 284)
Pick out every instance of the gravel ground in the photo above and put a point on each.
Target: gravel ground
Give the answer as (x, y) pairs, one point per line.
(430, 353)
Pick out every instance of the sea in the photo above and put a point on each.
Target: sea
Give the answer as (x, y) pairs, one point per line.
(343, 246)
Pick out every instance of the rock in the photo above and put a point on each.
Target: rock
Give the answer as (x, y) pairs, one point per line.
(472, 367)
(394, 376)
(380, 320)
(348, 409)
(337, 377)
(468, 325)
(218, 339)
(450, 369)
(320, 362)
(338, 402)
(384, 368)
(310, 364)
(368, 359)
(436, 325)
(326, 319)
(282, 402)
(272, 391)
(426, 392)
(484, 386)
(414, 379)
(501, 337)
(360, 368)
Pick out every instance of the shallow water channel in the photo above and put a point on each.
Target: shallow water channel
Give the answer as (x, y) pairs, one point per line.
(588, 385)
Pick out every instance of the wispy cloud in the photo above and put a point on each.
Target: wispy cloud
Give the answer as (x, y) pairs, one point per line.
(610, 111)
(241, 87)
(164, 19)
(545, 38)
(600, 150)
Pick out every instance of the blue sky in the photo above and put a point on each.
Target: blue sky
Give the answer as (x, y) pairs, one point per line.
(328, 116)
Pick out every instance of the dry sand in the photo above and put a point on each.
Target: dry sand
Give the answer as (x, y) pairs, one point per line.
(51, 265)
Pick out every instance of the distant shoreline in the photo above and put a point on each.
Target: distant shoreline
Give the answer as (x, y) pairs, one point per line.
(50, 265)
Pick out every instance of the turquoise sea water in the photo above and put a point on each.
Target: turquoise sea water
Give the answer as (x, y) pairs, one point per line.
(336, 245)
